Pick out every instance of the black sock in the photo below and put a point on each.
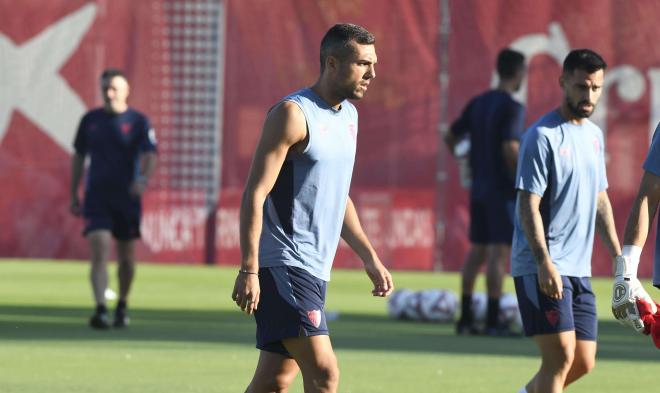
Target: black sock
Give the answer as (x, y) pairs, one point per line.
(121, 304)
(466, 309)
(101, 309)
(493, 316)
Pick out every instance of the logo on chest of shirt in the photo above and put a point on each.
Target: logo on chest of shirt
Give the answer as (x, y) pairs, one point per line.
(596, 145)
(125, 128)
(564, 151)
(352, 131)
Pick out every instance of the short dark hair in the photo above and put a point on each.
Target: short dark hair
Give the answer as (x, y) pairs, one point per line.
(509, 62)
(584, 59)
(336, 41)
(109, 73)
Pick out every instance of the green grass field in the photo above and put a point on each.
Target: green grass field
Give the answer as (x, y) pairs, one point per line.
(187, 336)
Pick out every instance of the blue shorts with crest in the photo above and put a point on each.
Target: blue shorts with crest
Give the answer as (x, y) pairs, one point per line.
(544, 315)
(291, 304)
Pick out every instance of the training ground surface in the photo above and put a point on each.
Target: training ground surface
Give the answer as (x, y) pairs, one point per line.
(187, 336)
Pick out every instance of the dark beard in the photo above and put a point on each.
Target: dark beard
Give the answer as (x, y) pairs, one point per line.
(579, 113)
(349, 93)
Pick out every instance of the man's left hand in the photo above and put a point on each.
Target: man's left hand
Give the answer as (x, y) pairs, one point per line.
(138, 187)
(380, 277)
(627, 290)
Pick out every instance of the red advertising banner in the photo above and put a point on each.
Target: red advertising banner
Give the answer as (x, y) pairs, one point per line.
(275, 50)
(545, 32)
(52, 55)
(207, 71)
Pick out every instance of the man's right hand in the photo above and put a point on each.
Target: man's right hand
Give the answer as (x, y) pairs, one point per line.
(550, 281)
(246, 291)
(627, 289)
(75, 207)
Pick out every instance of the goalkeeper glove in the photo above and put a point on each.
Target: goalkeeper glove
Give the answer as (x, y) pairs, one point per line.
(627, 289)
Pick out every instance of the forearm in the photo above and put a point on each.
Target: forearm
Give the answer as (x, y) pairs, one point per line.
(510, 150)
(251, 221)
(450, 141)
(148, 164)
(532, 225)
(511, 164)
(77, 166)
(354, 235)
(643, 210)
(637, 226)
(605, 225)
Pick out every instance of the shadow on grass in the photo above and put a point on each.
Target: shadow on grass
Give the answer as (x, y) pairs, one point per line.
(350, 331)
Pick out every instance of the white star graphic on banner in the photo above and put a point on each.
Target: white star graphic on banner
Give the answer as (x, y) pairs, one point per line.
(31, 83)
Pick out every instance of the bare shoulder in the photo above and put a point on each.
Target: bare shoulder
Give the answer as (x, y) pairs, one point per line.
(286, 122)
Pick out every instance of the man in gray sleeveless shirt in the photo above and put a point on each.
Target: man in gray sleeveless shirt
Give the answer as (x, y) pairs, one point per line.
(294, 209)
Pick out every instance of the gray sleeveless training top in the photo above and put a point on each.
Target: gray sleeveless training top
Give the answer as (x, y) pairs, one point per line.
(304, 212)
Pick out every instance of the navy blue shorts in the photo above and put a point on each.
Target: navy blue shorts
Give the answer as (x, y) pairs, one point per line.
(291, 304)
(491, 221)
(544, 315)
(118, 212)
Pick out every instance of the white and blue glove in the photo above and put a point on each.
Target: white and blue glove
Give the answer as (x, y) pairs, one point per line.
(627, 289)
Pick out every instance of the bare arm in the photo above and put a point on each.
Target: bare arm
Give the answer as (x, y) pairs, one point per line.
(450, 141)
(148, 164)
(627, 289)
(510, 154)
(77, 166)
(605, 224)
(643, 210)
(354, 235)
(285, 127)
(532, 225)
(147, 168)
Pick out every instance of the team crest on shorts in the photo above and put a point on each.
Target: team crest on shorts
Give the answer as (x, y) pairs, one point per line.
(314, 317)
(552, 316)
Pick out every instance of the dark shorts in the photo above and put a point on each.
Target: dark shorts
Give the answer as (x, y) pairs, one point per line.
(118, 213)
(491, 221)
(291, 304)
(543, 315)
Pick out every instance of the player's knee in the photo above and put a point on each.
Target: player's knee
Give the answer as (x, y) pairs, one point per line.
(328, 376)
(283, 381)
(560, 360)
(98, 262)
(583, 366)
(98, 257)
(324, 374)
(126, 263)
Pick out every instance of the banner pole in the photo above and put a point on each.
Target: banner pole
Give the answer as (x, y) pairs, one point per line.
(441, 173)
